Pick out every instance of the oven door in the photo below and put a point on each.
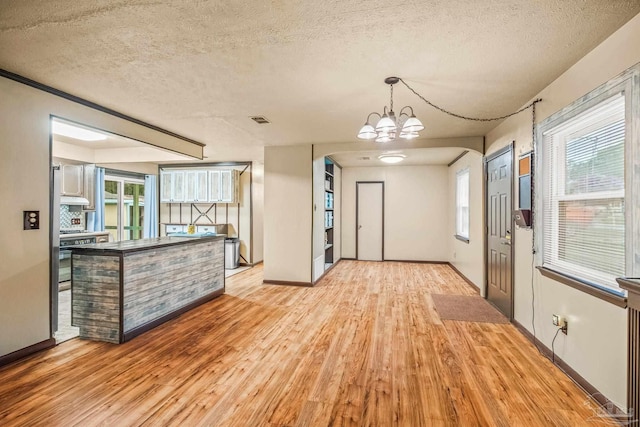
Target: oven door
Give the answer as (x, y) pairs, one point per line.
(64, 269)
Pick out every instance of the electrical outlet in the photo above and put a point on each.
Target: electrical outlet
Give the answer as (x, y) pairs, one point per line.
(560, 322)
(31, 220)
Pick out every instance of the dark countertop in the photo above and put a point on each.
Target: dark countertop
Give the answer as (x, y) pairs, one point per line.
(126, 246)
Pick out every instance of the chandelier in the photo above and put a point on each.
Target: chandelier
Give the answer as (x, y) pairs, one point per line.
(388, 125)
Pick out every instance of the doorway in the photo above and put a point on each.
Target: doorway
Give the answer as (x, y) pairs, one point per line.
(370, 221)
(499, 184)
(123, 207)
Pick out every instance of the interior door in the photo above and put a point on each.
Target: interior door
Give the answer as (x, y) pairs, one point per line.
(370, 221)
(499, 227)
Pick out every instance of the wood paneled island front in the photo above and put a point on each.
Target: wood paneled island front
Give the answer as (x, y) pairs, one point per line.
(122, 289)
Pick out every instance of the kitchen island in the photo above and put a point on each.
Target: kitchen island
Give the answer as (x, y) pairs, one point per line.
(122, 289)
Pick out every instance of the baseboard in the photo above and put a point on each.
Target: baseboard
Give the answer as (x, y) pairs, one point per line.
(605, 403)
(465, 278)
(413, 261)
(19, 354)
(348, 259)
(326, 271)
(248, 264)
(287, 283)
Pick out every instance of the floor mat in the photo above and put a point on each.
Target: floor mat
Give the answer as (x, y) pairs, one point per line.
(467, 308)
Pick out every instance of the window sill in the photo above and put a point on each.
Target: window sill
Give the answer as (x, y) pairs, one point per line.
(462, 239)
(581, 286)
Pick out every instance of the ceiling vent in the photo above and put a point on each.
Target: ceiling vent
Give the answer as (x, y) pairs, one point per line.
(364, 158)
(261, 120)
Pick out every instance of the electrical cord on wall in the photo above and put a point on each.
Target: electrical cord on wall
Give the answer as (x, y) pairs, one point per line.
(553, 350)
(533, 304)
(533, 227)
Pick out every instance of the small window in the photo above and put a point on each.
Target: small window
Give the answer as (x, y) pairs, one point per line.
(462, 204)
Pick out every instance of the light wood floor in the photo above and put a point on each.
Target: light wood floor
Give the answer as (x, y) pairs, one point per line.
(363, 348)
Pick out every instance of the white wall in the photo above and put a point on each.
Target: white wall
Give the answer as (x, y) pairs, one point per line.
(468, 257)
(24, 185)
(596, 344)
(288, 208)
(258, 212)
(415, 207)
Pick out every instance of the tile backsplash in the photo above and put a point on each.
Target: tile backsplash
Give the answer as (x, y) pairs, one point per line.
(71, 218)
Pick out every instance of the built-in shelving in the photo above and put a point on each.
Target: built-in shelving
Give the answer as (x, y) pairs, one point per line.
(328, 212)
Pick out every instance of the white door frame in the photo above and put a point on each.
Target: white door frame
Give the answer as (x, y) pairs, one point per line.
(357, 211)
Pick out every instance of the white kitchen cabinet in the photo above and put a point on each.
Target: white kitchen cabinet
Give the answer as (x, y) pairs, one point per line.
(196, 186)
(172, 186)
(90, 187)
(177, 186)
(199, 186)
(72, 180)
(165, 186)
(214, 186)
(223, 186)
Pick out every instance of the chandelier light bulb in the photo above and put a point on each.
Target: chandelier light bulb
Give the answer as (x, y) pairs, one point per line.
(386, 124)
(412, 125)
(384, 137)
(367, 132)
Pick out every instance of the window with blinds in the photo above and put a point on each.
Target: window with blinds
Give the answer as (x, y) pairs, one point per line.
(583, 161)
(462, 203)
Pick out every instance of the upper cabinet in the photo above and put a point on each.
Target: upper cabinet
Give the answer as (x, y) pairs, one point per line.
(229, 180)
(172, 186)
(90, 187)
(199, 186)
(196, 187)
(72, 180)
(79, 181)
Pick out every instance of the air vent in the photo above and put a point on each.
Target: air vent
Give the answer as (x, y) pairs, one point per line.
(261, 120)
(364, 158)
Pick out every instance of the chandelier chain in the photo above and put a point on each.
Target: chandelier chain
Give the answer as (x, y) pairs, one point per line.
(391, 97)
(475, 119)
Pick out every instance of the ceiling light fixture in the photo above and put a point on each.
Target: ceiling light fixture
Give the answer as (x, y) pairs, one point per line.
(64, 129)
(391, 158)
(386, 128)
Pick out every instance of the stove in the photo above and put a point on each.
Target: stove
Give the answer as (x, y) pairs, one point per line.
(72, 231)
(70, 237)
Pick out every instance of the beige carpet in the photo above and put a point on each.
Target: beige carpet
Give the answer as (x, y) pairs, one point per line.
(466, 308)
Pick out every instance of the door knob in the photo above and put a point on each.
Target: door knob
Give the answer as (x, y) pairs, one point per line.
(506, 243)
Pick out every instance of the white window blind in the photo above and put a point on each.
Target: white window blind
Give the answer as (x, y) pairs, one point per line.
(462, 203)
(584, 194)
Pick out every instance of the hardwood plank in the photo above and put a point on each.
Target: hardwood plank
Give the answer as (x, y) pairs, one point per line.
(364, 347)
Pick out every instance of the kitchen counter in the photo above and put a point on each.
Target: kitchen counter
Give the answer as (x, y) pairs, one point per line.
(127, 246)
(120, 290)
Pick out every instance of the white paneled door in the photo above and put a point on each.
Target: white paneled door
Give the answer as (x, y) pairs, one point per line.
(370, 221)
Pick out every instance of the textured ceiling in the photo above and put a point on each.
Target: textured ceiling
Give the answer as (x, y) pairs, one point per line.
(314, 68)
